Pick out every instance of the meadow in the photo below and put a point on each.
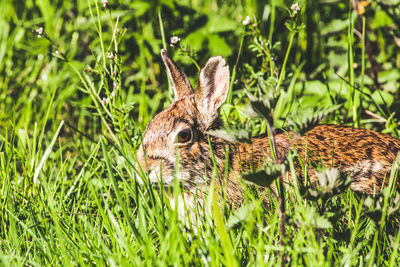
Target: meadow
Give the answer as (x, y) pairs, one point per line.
(79, 81)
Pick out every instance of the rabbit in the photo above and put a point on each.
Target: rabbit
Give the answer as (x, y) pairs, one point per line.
(176, 143)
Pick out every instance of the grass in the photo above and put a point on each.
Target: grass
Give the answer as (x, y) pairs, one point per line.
(75, 101)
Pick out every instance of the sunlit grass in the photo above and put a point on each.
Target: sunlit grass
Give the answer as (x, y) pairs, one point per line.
(75, 101)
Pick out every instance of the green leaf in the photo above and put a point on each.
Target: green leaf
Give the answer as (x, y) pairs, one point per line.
(268, 87)
(262, 106)
(258, 108)
(391, 124)
(334, 26)
(331, 182)
(266, 175)
(315, 220)
(217, 23)
(305, 119)
(374, 207)
(141, 7)
(218, 46)
(195, 39)
(322, 223)
(241, 215)
(381, 19)
(382, 97)
(232, 135)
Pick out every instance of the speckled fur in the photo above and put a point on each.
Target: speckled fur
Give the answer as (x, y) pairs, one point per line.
(366, 155)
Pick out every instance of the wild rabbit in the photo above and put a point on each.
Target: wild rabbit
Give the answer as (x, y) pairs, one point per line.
(179, 135)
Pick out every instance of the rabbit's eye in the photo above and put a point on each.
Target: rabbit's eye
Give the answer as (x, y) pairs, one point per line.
(184, 136)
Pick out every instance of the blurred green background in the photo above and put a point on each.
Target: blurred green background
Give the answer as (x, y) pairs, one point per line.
(30, 72)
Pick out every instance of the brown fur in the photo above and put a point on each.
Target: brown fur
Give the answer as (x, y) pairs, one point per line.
(364, 154)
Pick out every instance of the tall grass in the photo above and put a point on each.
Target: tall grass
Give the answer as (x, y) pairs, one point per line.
(75, 101)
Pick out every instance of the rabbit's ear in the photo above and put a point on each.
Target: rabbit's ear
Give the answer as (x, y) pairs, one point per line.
(212, 89)
(180, 82)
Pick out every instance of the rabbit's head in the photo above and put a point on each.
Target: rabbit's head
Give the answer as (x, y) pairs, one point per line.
(175, 143)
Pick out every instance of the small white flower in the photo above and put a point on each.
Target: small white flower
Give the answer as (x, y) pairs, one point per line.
(113, 93)
(110, 55)
(105, 101)
(115, 86)
(175, 41)
(40, 32)
(246, 21)
(104, 2)
(295, 7)
(58, 53)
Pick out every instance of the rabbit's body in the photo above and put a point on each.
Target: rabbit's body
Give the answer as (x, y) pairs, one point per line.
(176, 143)
(366, 155)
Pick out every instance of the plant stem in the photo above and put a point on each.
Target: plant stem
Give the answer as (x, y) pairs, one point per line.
(282, 74)
(282, 207)
(229, 98)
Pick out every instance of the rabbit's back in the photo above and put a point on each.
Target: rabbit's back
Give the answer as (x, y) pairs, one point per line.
(366, 155)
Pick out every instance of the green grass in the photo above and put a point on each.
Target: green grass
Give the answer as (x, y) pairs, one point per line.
(69, 194)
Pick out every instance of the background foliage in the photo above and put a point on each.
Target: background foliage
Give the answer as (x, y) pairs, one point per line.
(68, 198)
